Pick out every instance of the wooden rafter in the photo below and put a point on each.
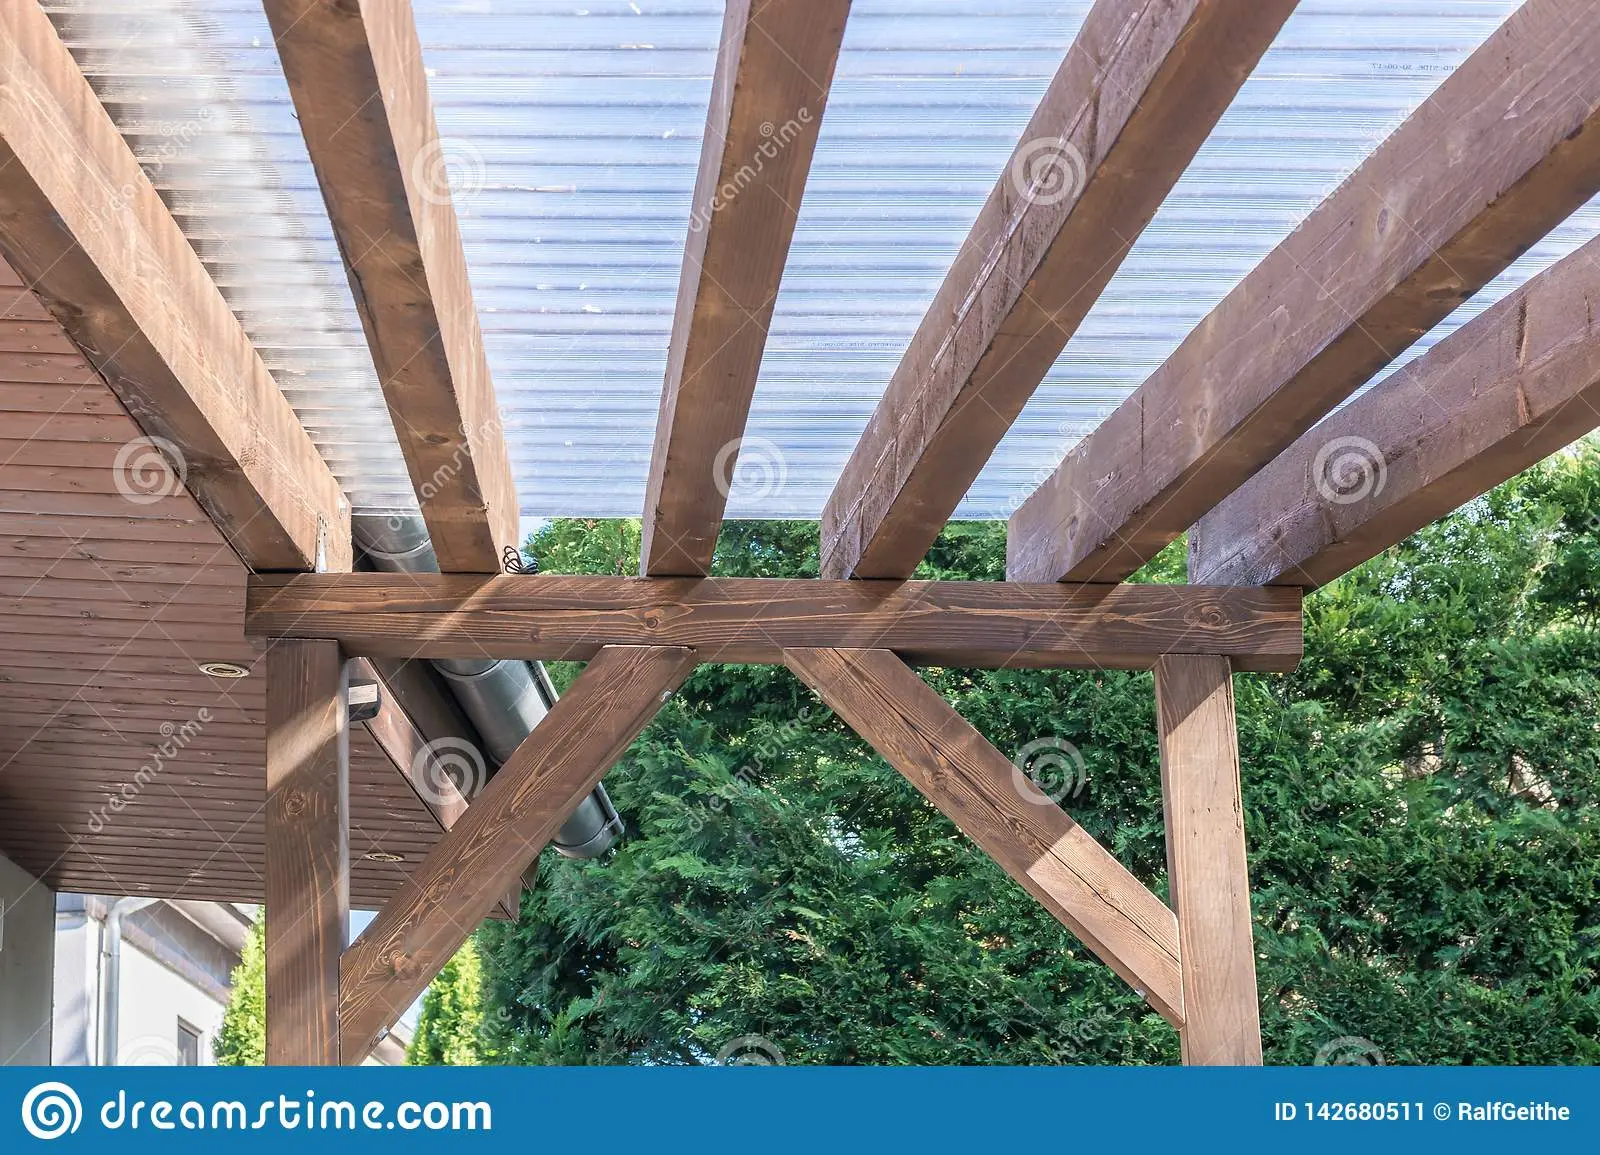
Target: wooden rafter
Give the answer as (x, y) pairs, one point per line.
(774, 69)
(983, 793)
(89, 234)
(1508, 388)
(1506, 149)
(754, 619)
(1136, 96)
(500, 835)
(308, 849)
(356, 74)
(416, 759)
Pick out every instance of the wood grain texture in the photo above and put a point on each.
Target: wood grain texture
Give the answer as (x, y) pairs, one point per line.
(976, 787)
(1504, 150)
(1206, 867)
(1507, 389)
(768, 93)
(979, 624)
(360, 91)
(308, 850)
(1138, 93)
(88, 233)
(123, 768)
(416, 760)
(500, 835)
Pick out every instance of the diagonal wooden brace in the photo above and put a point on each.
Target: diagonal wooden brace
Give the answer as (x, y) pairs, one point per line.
(1090, 892)
(499, 835)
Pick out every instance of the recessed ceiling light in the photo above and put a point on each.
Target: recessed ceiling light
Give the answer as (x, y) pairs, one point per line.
(382, 856)
(224, 669)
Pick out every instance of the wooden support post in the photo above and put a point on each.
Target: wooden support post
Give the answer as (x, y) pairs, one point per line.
(307, 850)
(1206, 860)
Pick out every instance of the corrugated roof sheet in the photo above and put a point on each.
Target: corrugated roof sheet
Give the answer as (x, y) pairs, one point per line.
(573, 133)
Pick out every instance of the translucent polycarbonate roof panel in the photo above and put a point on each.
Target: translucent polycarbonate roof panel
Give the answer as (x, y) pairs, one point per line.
(196, 88)
(572, 135)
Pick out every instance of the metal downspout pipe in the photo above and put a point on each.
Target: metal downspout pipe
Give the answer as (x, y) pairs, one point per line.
(111, 974)
(503, 699)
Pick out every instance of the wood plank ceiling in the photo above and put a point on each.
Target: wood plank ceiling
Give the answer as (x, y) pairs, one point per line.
(114, 586)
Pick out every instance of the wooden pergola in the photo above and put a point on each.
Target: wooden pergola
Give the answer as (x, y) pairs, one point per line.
(1227, 437)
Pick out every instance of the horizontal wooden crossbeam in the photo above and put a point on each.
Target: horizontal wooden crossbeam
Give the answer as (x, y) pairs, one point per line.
(1506, 149)
(1507, 389)
(977, 624)
(982, 792)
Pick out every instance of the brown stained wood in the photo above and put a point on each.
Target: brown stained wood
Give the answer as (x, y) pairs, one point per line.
(1508, 388)
(1504, 151)
(1028, 835)
(1138, 93)
(308, 850)
(405, 745)
(360, 91)
(500, 835)
(1208, 874)
(87, 232)
(754, 619)
(768, 94)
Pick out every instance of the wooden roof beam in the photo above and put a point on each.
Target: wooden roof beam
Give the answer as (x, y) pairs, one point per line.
(1510, 387)
(418, 759)
(1136, 96)
(1506, 149)
(87, 232)
(356, 75)
(976, 624)
(774, 69)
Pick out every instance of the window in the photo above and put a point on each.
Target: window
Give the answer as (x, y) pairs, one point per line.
(188, 1045)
